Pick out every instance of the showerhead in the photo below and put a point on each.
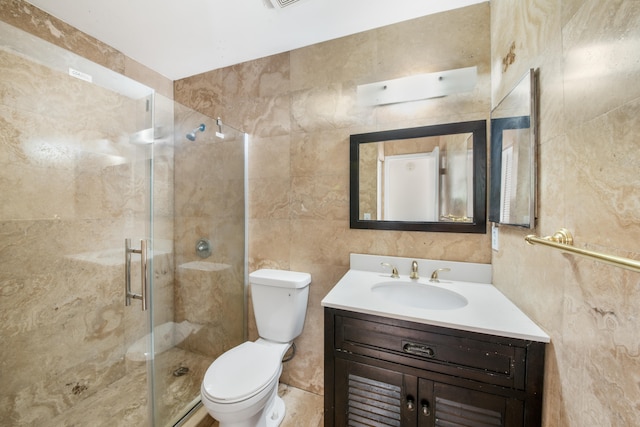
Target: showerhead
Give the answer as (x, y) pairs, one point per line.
(191, 136)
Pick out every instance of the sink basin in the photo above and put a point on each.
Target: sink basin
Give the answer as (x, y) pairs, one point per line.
(419, 295)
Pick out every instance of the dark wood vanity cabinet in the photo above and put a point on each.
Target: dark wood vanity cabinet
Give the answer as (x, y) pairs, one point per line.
(387, 372)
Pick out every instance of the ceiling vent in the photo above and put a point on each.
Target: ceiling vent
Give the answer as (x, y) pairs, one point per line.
(279, 4)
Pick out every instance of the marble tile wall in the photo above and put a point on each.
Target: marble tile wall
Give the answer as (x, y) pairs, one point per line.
(299, 108)
(589, 158)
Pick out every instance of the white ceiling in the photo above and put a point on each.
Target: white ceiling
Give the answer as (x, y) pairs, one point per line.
(181, 38)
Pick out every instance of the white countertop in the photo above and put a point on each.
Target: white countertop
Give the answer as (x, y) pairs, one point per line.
(488, 311)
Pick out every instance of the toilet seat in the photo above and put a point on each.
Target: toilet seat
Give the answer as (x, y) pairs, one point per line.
(241, 373)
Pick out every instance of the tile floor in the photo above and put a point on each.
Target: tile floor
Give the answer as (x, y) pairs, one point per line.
(106, 408)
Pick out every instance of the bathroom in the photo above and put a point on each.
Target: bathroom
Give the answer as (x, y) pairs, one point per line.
(298, 110)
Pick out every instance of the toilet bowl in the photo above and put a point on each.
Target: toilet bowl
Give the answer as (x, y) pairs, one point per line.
(240, 388)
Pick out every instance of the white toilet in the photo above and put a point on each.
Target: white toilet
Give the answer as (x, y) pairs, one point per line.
(240, 388)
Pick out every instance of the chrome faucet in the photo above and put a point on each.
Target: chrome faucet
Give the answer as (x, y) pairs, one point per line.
(434, 275)
(394, 270)
(414, 271)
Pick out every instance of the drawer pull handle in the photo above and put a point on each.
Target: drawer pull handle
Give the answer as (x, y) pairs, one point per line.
(419, 350)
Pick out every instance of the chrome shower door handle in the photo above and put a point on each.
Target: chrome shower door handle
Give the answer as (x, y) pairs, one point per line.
(143, 273)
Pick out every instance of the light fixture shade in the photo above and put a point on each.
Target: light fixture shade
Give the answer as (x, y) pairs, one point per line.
(419, 86)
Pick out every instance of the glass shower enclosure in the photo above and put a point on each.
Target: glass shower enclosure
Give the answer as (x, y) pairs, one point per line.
(93, 163)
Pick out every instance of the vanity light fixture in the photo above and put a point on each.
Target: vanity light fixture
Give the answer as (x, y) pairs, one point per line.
(419, 86)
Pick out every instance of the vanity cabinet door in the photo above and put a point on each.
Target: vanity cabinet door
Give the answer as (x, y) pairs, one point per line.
(426, 403)
(458, 407)
(367, 395)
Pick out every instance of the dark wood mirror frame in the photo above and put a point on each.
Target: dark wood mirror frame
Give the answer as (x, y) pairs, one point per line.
(477, 225)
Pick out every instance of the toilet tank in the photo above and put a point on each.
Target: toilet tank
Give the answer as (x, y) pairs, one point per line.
(279, 300)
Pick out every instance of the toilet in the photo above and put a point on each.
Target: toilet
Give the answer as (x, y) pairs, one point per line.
(240, 388)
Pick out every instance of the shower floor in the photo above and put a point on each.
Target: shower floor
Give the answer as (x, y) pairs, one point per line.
(124, 402)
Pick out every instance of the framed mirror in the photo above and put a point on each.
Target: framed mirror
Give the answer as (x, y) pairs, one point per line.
(512, 199)
(430, 178)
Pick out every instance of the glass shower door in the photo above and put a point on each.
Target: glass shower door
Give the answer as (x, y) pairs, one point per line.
(75, 181)
(210, 255)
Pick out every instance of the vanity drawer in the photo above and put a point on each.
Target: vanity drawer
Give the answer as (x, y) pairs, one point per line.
(462, 354)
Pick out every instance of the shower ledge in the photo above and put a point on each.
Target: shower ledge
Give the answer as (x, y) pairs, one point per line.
(204, 266)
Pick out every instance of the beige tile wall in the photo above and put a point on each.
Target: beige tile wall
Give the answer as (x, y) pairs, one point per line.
(589, 159)
(300, 108)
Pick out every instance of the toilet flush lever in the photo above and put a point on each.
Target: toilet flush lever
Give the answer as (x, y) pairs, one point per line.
(143, 273)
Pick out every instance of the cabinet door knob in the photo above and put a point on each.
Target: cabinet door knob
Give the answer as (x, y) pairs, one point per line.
(425, 409)
(410, 404)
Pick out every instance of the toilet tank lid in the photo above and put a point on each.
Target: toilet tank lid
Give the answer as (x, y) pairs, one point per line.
(280, 278)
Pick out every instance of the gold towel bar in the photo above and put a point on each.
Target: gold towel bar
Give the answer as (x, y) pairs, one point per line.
(563, 241)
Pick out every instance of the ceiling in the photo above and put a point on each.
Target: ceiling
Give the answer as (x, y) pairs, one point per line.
(181, 38)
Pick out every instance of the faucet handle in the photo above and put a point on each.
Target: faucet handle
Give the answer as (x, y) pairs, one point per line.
(394, 270)
(434, 275)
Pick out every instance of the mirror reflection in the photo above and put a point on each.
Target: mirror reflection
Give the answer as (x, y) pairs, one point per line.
(513, 156)
(430, 178)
